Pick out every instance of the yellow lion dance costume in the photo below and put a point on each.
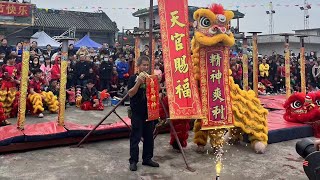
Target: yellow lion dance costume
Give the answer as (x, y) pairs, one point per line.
(48, 97)
(212, 29)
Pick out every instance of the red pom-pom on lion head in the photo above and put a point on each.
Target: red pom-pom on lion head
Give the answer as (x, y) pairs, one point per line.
(216, 8)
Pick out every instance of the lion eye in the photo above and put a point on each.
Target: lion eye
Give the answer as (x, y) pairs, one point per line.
(318, 102)
(205, 22)
(296, 105)
(222, 18)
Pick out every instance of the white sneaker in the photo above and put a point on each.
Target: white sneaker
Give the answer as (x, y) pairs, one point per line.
(40, 115)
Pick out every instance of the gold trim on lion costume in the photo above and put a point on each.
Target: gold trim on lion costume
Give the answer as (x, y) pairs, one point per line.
(7, 98)
(49, 98)
(212, 29)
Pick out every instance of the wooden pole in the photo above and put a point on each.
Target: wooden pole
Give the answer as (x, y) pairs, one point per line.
(287, 65)
(153, 55)
(112, 110)
(302, 65)
(255, 61)
(176, 137)
(150, 35)
(245, 64)
(136, 51)
(24, 86)
(63, 81)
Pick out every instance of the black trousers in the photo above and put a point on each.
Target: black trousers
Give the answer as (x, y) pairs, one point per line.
(105, 84)
(141, 128)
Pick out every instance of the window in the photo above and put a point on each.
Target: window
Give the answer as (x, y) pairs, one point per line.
(144, 23)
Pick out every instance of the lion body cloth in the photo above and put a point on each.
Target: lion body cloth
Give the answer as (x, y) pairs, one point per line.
(212, 29)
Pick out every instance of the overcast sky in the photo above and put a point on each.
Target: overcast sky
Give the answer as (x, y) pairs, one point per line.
(285, 19)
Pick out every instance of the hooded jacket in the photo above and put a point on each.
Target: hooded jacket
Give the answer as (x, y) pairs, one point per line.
(55, 71)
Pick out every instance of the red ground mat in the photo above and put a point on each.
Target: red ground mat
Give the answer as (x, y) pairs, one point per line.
(279, 129)
(77, 130)
(276, 121)
(119, 124)
(44, 131)
(10, 134)
(273, 102)
(44, 128)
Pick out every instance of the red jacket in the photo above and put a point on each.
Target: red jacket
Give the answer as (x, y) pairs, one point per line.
(55, 70)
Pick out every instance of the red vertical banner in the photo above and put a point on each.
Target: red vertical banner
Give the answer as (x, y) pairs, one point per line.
(182, 90)
(152, 90)
(214, 87)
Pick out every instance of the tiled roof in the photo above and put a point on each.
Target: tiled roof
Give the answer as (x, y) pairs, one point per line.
(192, 9)
(62, 19)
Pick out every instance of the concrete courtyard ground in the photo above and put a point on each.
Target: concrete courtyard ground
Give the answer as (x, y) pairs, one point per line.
(109, 159)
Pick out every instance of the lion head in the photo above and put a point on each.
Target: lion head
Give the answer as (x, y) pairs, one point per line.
(212, 26)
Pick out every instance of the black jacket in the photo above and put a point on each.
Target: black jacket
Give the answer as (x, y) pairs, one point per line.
(6, 50)
(82, 68)
(89, 95)
(105, 70)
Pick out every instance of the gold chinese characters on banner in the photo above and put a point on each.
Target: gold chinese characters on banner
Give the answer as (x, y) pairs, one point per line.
(182, 90)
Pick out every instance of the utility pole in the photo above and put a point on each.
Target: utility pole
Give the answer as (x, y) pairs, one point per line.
(306, 15)
(150, 35)
(305, 8)
(270, 13)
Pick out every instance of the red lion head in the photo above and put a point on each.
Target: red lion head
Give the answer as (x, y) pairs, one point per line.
(300, 108)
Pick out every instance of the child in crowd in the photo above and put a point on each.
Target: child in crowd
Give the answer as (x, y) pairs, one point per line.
(36, 96)
(35, 64)
(90, 98)
(54, 87)
(46, 69)
(9, 89)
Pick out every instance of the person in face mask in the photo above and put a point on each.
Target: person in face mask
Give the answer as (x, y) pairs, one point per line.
(97, 61)
(105, 71)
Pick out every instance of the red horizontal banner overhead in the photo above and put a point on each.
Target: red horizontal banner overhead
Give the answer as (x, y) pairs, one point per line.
(15, 9)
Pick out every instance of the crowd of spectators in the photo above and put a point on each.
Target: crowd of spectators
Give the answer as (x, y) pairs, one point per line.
(272, 72)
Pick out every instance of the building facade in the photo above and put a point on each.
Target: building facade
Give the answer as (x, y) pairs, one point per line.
(312, 32)
(143, 15)
(267, 44)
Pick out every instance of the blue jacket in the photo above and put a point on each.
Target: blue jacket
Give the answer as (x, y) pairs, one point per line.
(122, 68)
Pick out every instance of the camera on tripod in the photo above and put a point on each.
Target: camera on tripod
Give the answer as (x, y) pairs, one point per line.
(311, 165)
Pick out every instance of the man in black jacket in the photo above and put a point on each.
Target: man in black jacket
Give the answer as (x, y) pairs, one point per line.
(82, 71)
(105, 71)
(139, 124)
(4, 48)
(49, 52)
